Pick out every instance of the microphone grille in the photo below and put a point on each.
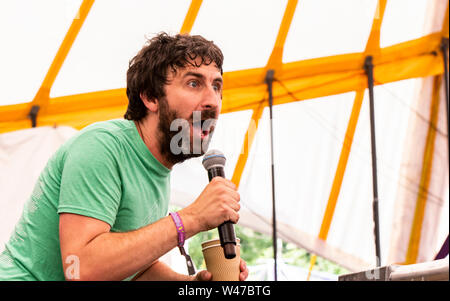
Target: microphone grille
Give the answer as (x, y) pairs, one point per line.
(213, 157)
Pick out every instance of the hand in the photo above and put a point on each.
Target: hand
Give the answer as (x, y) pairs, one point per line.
(244, 270)
(218, 202)
(203, 276)
(206, 276)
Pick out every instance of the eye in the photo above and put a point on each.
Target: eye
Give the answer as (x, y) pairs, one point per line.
(193, 83)
(217, 87)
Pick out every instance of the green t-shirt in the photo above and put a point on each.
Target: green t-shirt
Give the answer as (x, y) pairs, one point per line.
(106, 172)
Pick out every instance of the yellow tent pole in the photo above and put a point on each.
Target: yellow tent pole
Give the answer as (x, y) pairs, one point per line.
(312, 262)
(276, 57)
(445, 25)
(274, 62)
(373, 43)
(243, 89)
(372, 47)
(340, 171)
(191, 16)
(427, 165)
(247, 144)
(43, 95)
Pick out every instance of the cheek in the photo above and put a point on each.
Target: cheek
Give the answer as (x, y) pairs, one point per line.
(184, 103)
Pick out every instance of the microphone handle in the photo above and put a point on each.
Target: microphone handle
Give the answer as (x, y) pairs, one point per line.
(216, 171)
(228, 239)
(226, 230)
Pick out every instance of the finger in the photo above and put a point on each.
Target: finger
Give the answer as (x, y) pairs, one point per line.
(224, 181)
(243, 276)
(244, 270)
(235, 195)
(234, 205)
(204, 276)
(231, 184)
(207, 276)
(234, 217)
(242, 264)
(228, 214)
(232, 193)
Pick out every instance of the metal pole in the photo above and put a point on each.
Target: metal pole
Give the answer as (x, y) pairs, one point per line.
(368, 66)
(33, 115)
(269, 81)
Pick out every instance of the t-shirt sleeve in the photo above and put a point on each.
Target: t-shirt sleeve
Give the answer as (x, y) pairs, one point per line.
(90, 181)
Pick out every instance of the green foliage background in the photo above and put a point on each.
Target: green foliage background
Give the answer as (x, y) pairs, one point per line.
(255, 246)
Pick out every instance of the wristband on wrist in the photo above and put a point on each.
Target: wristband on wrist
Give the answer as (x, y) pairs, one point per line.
(180, 228)
(181, 238)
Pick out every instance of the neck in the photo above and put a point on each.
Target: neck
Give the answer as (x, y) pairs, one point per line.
(148, 131)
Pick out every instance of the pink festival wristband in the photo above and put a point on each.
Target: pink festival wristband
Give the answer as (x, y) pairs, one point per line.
(180, 228)
(181, 238)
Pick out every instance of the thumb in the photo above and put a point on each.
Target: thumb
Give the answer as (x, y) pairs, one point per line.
(203, 276)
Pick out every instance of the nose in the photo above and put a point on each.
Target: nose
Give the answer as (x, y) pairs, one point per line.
(211, 99)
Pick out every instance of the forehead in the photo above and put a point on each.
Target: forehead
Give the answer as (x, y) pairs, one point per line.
(208, 71)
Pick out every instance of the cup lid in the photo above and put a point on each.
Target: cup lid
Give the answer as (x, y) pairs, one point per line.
(216, 242)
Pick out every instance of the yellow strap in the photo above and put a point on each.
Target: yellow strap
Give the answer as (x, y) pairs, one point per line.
(274, 62)
(276, 57)
(445, 25)
(427, 165)
(248, 141)
(191, 16)
(340, 170)
(243, 89)
(43, 95)
(372, 48)
(308, 80)
(373, 43)
(312, 262)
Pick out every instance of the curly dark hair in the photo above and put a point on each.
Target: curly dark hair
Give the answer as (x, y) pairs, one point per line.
(147, 71)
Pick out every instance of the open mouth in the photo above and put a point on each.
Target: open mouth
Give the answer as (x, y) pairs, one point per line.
(205, 134)
(203, 124)
(203, 128)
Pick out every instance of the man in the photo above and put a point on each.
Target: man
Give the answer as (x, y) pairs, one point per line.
(99, 208)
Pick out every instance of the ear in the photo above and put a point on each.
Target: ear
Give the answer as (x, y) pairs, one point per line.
(151, 104)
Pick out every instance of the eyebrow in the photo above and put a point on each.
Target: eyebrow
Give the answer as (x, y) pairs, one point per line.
(201, 76)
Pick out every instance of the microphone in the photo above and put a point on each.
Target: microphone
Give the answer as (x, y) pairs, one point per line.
(214, 162)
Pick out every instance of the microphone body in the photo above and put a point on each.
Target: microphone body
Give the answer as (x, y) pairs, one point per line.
(226, 230)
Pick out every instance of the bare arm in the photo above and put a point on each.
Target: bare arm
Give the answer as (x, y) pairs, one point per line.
(113, 256)
(161, 272)
(103, 255)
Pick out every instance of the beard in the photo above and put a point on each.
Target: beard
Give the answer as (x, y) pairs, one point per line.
(176, 150)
